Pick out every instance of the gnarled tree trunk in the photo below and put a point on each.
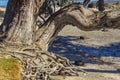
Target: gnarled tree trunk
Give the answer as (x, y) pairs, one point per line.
(19, 20)
(78, 16)
(19, 25)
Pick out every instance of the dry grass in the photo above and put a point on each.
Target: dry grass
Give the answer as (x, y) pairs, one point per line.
(9, 69)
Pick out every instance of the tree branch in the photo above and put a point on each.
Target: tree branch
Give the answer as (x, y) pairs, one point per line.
(75, 14)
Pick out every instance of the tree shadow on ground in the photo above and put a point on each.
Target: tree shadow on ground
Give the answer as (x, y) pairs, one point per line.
(103, 71)
(63, 45)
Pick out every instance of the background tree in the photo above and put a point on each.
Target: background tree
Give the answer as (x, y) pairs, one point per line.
(100, 4)
(92, 5)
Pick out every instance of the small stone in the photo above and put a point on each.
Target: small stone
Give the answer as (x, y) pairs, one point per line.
(82, 38)
(79, 63)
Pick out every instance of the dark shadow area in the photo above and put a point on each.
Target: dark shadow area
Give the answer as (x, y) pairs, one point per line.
(63, 45)
(103, 71)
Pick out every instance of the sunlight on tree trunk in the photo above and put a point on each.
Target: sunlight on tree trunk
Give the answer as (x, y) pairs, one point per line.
(23, 41)
(20, 20)
(78, 16)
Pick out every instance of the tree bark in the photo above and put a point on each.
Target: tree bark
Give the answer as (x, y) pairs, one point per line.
(101, 5)
(78, 16)
(19, 20)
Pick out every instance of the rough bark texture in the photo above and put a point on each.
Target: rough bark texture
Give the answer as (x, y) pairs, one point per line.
(19, 27)
(78, 16)
(19, 21)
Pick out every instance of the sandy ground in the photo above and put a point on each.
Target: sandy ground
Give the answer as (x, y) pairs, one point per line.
(100, 50)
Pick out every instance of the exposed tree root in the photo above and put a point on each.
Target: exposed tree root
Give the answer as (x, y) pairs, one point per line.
(38, 65)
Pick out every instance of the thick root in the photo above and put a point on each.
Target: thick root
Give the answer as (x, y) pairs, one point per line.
(39, 65)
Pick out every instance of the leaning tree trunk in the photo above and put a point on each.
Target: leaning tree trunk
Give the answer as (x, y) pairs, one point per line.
(19, 25)
(19, 20)
(75, 14)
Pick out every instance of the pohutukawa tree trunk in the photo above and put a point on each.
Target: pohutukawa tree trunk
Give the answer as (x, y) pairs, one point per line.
(78, 16)
(19, 27)
(19, 20)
